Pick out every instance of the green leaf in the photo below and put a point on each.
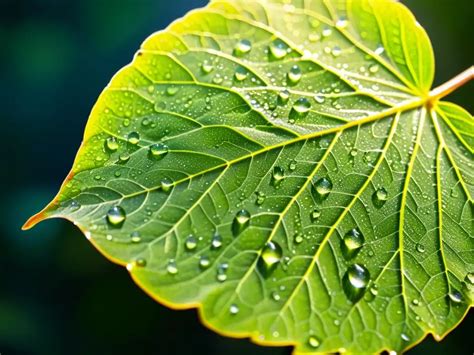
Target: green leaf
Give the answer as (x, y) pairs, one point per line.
(284, 167)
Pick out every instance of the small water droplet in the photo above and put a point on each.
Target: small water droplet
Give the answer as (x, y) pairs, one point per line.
(241, 74)
(278, 49)
(322, 188)
(352, 243)
(283, 96)
(341, 23)
(292, 165)
(405, 337)
(222, 272)
(172, 90)
(276, 296)
(314, 342)
(326, 32)
(260, 198)
(159, 150)
(355, 281)
(298, 238)
(172, 268)
(135, 237)
(319, 99)
(124, 157)
(133, 138)
(374, 68)
(216, 241)
(278, 175)
(241, 222)
(420, 248)
(204, 262)
(379, 50)
(242, 47)
(116, 216)
(233, 309)
(336, 51)
(74, 205)
(111, 144)
(415, 302)
(270, 257)
(191, 242)
(166, 185)
(207, 67)
(315, 215)
(141, 262)
(379, 197)
(302, 105)
(295, 74)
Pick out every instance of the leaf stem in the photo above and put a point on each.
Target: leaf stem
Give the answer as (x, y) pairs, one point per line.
(451, 85)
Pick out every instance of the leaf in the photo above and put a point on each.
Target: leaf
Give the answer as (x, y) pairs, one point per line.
(284, 167)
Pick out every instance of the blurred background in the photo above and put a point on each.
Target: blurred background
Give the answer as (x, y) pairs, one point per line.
(57, 294)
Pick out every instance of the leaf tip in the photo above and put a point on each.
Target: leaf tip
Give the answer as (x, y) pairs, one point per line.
(33, 221)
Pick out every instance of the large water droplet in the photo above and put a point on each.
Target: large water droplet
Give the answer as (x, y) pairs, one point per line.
(111, 144)
(204, 262)
(278, 49)
(355, 282)
(242, 47)
(455, 296)
(283, 97)
(241, 222)
(207, 67)
(159, 150)
(314, 342)
(133, 138)
(278, 175)
(352, 242)
(322, 188)
(295, 74)
(191, 242)
(271, 256)
(302, 105)
(116, 216)
(166, 185)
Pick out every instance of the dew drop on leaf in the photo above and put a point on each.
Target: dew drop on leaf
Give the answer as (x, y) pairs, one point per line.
(319, 99)
(135, 237)
(283, 96)
(295, 74)
(222, 272)
(207, 67)
(216, 241)
(260, 198)
(159, 150)
(302, 105)
(271, 256)
(278, 49)
(166, 185)
(233, 309)
(455, 296)
(116, 216)
(322, 188)
(241, 74)
(241, 222)
(420, 248)
(111, 144)
(133, 138)
(204, 262)
(172, 268)
(314, 342)
(355, 282)
(379, 197)
(141, 262)
(315, 214)
(352, 242)
(405, 337)
(242, 47)
(278, 175)
(191, 242)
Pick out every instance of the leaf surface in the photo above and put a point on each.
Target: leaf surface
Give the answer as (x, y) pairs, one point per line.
(280, 166)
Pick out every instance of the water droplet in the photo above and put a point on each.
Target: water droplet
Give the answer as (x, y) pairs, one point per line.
(141, 262)
(276, 296)
(233, 309)
(271, 256)
(278, 175)
(241, 74)
(278, 49)
(405, 337)
(415, 302)
(352, 242)
(336, 51)
(242, 47)
(469, 278)
(314, 342)
(172, 90)
(166, 185)
(341, 23)
(295, 74)
(74, 205)
(374, 290)
(241, 222)
(420, 248)
(302, 105)
(135, 237)
(159, 150)
(116, 216)
(172, 268)
(298, 238)
(322, 188)
(379, 50)
(260, 198)
(315, 215)
(216, 241)
(204, 262)
(326, 32)
(379, 197)
(283, 96)
(133, 138)
(191, 242)
(222, 272)
(207, 67)
(292, 166)
(319, 99)
(374, 68)
(355, 281)
(111, 144)
(455, 296)
(124, 157)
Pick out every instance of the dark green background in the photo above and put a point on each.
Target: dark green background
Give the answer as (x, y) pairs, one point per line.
(57, 294)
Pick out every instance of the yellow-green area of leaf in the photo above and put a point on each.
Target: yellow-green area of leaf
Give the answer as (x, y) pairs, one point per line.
(285, 167)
